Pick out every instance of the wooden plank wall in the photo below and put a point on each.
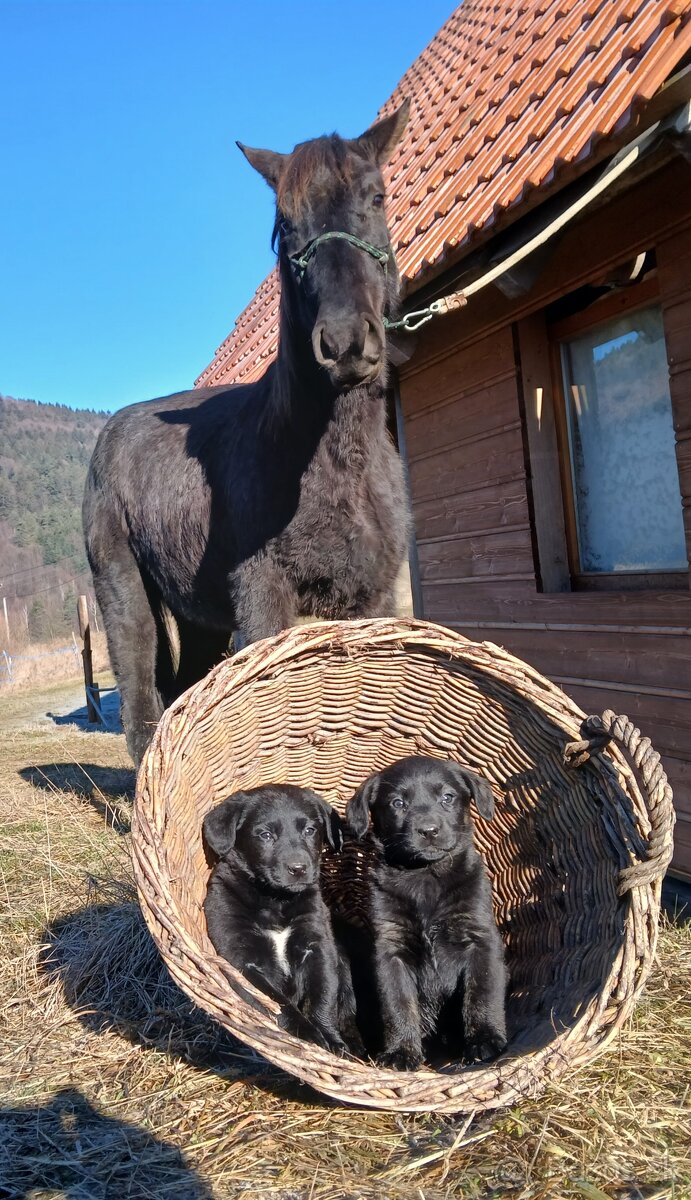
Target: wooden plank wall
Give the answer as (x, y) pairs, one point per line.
(674, 267)
(463, 407)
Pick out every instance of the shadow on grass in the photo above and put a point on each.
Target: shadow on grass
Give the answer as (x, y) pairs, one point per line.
(676, 900)
(111, 974)
(109, 703)
(69, 1147)
(110, 790)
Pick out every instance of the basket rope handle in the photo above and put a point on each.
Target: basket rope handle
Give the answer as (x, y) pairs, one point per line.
(597, 733)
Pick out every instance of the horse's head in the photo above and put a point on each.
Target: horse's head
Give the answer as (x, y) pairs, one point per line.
(335, 257)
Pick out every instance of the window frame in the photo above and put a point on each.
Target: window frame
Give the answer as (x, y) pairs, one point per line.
(627, 301)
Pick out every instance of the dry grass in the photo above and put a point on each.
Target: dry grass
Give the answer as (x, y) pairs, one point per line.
(38, 663)
(114, 1085)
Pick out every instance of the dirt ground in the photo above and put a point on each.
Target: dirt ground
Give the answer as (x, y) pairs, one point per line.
(113, 1085)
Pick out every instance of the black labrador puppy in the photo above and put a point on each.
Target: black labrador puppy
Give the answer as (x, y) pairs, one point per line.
(439, 959)
(265, 913)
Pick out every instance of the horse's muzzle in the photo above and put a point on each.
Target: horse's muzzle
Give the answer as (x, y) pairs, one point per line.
(352, 351)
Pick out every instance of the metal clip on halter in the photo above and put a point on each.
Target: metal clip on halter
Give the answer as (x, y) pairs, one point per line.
(413, 320)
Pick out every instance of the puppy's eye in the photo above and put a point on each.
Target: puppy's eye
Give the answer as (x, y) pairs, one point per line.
(310, 830)
(448, 798)
(378, 200)
(397, 802)
(266, 836)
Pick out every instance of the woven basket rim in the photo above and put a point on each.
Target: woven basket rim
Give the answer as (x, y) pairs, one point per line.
(207, 979)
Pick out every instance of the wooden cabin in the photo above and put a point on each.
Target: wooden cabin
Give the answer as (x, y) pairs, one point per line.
(547, 424)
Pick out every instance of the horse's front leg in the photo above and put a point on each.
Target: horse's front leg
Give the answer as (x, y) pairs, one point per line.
(127, 604)
(264, 599)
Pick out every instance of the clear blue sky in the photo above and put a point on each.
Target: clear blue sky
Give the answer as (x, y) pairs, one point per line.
(132, 231)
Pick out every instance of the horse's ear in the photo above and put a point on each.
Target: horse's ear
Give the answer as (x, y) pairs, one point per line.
(220, 825)
(358, 807)
(478, 787)
(379, 141)
(269, 163)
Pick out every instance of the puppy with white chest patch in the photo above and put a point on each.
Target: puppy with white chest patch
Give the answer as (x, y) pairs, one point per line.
(439, 959)
(265, 913)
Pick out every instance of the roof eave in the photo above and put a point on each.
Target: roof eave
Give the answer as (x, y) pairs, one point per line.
(480, 244)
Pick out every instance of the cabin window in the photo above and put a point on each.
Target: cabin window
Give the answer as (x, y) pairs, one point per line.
(622, 478)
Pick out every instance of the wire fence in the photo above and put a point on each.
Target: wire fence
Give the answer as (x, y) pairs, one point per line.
(9, 662)
(102, 703)
(43, 615)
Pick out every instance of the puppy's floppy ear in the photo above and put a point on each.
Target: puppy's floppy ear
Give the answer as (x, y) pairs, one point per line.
(359, 805)
(329, 819)
(220, 825)
(479, 789)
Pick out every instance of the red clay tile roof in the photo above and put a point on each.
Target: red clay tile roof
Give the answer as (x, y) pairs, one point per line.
(507, 97)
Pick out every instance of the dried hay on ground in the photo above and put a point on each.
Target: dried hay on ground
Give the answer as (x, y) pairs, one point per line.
(114, 1085)
(38, 663)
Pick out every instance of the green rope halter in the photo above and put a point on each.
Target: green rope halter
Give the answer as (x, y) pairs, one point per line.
(301, 261)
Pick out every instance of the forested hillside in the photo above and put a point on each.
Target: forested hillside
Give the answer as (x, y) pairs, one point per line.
(44, 455)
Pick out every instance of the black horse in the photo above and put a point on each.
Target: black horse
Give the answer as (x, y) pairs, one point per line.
(234, 510)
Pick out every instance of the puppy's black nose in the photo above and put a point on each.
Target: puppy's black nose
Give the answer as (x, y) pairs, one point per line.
(297, 869)
(429, 831)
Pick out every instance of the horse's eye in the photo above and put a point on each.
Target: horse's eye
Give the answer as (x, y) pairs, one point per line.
(397, 802)
(266, 836)
(378, 200)
(284, 226)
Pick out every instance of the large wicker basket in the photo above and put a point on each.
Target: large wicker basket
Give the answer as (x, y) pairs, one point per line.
(576, 852)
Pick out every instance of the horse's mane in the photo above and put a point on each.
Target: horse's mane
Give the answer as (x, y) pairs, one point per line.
(330, 154)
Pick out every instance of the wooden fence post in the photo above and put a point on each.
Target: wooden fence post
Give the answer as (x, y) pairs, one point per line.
(90, 687)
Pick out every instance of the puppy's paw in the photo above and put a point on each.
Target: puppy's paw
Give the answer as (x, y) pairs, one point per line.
(356, 1045)
(300, 1026)
(401, 1058)
(484, 1043)
(335, 1044)
(330, 1039)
